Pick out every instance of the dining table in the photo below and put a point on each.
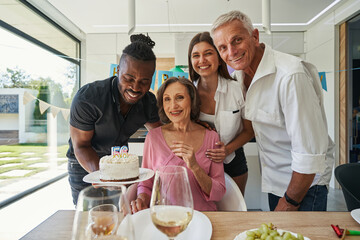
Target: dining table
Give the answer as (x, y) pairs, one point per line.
(227, 225)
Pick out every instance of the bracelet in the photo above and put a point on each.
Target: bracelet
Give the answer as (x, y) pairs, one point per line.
(291, 201)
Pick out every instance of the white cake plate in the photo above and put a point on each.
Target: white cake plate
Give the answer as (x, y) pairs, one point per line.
(94, 177)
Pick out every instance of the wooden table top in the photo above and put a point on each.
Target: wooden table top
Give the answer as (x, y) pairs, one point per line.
(226, 225)
(314, 225)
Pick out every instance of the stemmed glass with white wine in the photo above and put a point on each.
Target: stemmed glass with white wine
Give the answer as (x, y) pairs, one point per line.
(171, 204)
(101, 213)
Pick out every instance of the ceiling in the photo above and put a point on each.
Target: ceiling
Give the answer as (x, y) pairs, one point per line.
(111, 16)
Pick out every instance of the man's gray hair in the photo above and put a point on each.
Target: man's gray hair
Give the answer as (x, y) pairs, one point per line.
(230, 16)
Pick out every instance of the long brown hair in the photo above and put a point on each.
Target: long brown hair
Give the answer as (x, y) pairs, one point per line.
(205, 37)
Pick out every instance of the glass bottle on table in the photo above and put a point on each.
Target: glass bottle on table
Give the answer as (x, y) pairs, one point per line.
(171, 204)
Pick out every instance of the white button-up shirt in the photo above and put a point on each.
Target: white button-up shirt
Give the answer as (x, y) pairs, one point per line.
(285, 104)
(229, 110)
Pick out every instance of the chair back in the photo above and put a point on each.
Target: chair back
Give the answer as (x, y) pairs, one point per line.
(233, 200)
(348, 176)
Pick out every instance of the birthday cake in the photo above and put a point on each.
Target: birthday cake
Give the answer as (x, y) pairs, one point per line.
(119, 166)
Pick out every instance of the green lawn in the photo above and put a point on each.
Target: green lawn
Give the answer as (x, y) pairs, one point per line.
(15, 151)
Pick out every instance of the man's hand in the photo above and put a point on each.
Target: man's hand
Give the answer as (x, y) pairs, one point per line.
(217, 155)
(298, 187)
(283, 205)
(205, 125)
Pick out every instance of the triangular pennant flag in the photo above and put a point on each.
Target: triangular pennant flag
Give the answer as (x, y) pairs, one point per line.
(65, 112)
(27, 98)
(322, 76)
(43, 106)
(113, 70)
(54, 111)
(163, 76)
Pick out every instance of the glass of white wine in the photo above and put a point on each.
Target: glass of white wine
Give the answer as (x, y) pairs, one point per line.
(171, 204)
(102, 213)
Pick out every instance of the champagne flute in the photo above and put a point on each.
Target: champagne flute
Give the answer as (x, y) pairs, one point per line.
(171, 204)
(100, 215)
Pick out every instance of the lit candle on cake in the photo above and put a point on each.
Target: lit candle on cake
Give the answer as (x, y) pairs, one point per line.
(124, 152)
(115, 151)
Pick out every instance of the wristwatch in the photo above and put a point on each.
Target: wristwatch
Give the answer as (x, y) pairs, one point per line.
(291, 201)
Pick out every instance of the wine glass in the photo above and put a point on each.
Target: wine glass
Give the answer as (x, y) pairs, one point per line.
(171, 204)
(102, 220)
(102, 213)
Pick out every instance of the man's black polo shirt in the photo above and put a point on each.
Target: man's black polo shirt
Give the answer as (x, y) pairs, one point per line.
(96, 106)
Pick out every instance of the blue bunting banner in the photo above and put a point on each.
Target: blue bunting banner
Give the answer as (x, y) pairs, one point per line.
(153, 81)
(322, 77)
(181, 74)
(113, 70)
(163, 76)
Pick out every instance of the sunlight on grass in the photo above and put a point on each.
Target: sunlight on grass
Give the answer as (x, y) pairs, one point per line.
(26, 155)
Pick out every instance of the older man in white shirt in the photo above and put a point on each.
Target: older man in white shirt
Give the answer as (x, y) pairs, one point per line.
(285, 104)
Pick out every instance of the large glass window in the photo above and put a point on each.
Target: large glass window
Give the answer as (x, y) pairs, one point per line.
(39, 75)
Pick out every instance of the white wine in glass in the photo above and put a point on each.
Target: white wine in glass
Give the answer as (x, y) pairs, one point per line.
(171, 204)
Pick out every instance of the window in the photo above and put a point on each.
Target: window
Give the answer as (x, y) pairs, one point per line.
(39, 75)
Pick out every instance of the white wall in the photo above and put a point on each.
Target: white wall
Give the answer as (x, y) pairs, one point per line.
(288, 42)
(9, 121)
(100, 54)
(15, 121)
(321, 49)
